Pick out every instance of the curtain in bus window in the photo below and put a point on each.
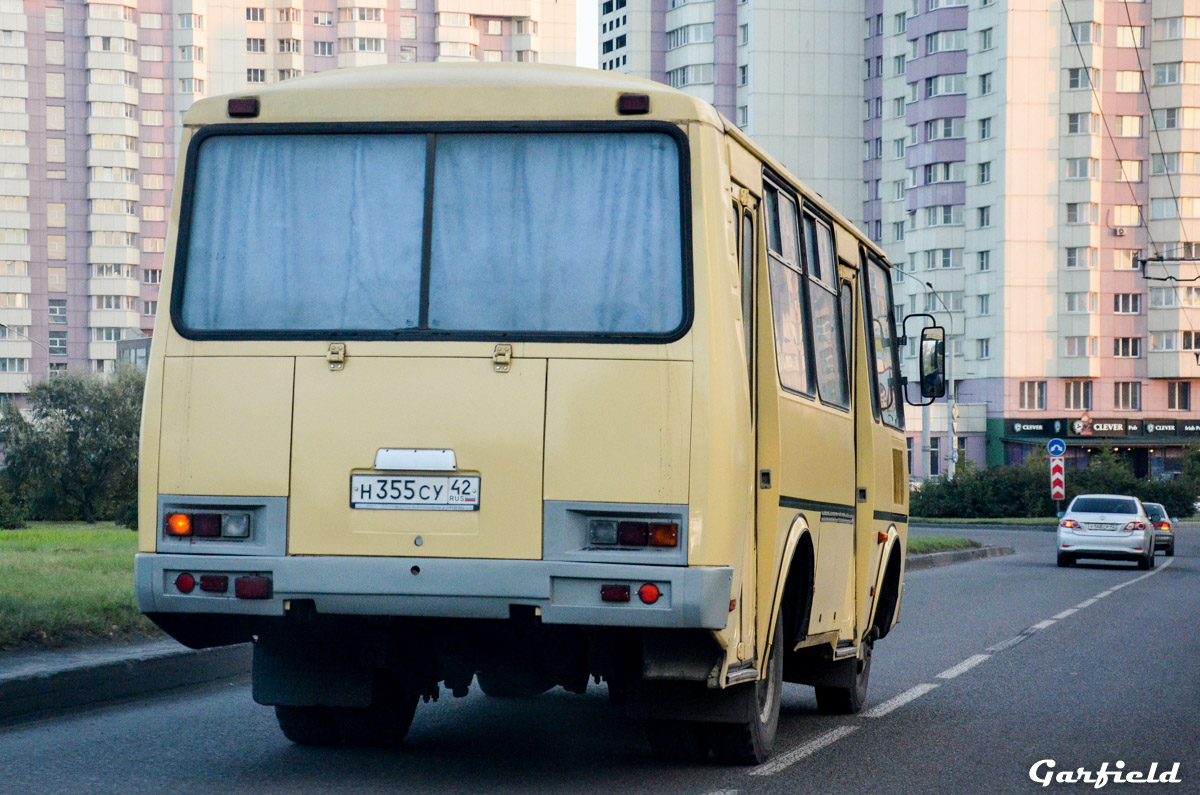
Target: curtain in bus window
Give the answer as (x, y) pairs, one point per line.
(787, 303)
(887, 388)
(306, 232)
(562, 232)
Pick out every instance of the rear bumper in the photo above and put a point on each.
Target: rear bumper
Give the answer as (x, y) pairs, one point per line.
(566, 592)
(1163, 540)
(1112, 546)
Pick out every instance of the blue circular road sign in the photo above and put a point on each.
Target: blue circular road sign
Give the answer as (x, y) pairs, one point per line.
(1056, 446)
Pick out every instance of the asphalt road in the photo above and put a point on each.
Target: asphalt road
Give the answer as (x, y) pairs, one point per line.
(996, 665)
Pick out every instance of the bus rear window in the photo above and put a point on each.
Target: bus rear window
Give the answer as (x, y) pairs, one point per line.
(531, 235)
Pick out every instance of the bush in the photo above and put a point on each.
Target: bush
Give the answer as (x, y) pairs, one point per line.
(73, 453)
(1024, 490)
(12, 512)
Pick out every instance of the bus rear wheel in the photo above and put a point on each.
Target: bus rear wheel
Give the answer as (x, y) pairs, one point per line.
(384, 722)
(751, 742)
(849, 700)
(308, 725)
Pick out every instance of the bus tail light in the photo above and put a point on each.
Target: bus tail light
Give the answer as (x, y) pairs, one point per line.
(179, 524)
(206, 525)
(633, 534)
(602, 531)
(664, 534)
(214, 583)
(649, 593)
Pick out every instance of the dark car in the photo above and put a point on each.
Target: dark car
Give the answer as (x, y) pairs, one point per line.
(1164, 527)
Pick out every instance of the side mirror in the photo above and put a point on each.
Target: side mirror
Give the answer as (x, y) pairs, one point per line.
(933, 362)
(1061, 514)
(1174, 520)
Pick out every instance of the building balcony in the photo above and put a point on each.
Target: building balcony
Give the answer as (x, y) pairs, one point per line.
(103, 92)
(125, 61)
(15, 284)
(119, 158)
(18, 348)
(348, 59)
(14, 154)
(114, 190)
(14, 383)
(972, 418)
(11, 219)
(117, 255)
(107, 125)
(17, 251)
(113, 318)
(113, 222)
(454, 33)
(111, 27)
(1172, 364)
(10, 316)
(102, 350)
(115, 286)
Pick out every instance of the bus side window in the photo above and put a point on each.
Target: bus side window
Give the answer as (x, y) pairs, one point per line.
(748, 278)
(847, 300)
(787, 294)
(825, 311)
(881, 340)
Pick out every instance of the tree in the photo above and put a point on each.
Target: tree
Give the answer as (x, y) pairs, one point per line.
(73, 453)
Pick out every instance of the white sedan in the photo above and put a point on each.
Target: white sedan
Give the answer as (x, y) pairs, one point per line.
(1106, 526)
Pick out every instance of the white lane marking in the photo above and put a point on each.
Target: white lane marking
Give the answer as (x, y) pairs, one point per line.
(784, 761)
(1103, 594)
(963, 666)
(1008, 644)
(1043, 624)
(1086, 603)
(1065, 613)
(896, 702)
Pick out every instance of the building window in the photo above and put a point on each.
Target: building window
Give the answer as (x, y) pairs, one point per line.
(1126, 215)
(1080, 347)
(1081, 257)
(56, 246)
(323, 48)
(743, 74)
(1033, 395)
(1129, 82)
(323, 19)
(255, 76)
(256, 45)
(1078, 395)
(1129, 126)
(1083, 123)
(985, 304)
(985, 84)
(985, 260)
(1082, 303)
(56, 280)
(1079, 78)
(1129, 171)
(985, 217)
(1127, 395)
(1083, 168)
(935, 456)
(256, 15)
(985, 129)
(57, 313)
(1127, 347)
(58, 343)
(1164, 341)
(56, 214)
(985, 39)
(1082, 213)
(1179, 396)
(1127, 303)
(983, 349)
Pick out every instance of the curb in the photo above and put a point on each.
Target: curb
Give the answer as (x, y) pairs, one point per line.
(1024, 528)
(140, 674)
(934, 559)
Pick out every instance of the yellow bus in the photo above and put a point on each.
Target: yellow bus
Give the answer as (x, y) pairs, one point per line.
(524, 377)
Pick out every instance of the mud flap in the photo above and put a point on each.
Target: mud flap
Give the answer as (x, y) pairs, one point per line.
(309, 671)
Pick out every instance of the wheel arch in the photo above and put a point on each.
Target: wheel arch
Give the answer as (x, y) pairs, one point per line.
(886, 609)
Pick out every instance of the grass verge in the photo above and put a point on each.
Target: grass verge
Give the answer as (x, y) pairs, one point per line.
(68, 582)
(1020, 522)
(923, 545)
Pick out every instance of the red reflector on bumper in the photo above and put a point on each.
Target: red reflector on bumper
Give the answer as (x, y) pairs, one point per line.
(215, 583)
(648, 593)
(185, 583)
(614, 593)
(252, 587)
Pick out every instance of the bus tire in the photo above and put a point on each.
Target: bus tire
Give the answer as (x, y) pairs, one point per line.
(678, 740)
(308, 725)
(751, 742)
(384, 722)
(832, 700)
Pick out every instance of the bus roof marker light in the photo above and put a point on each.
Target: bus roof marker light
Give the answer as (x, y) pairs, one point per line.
(243, 107)
(633, 104)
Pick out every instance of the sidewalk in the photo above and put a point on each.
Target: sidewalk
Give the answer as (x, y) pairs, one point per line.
(57, 679)
(47, 680)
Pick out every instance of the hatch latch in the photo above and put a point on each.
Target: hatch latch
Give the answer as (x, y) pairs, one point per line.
(502, 357)
(336, 356)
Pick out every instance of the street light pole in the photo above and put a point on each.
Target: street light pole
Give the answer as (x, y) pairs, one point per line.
(953, 442)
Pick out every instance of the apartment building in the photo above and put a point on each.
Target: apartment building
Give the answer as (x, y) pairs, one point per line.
(1023, 159)
(92, 97)
(787, 73)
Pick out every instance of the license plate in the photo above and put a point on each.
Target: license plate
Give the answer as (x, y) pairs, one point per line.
(1094, 526)
(415, 492)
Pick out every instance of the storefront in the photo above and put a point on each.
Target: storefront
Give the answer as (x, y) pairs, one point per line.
(1153, 446)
